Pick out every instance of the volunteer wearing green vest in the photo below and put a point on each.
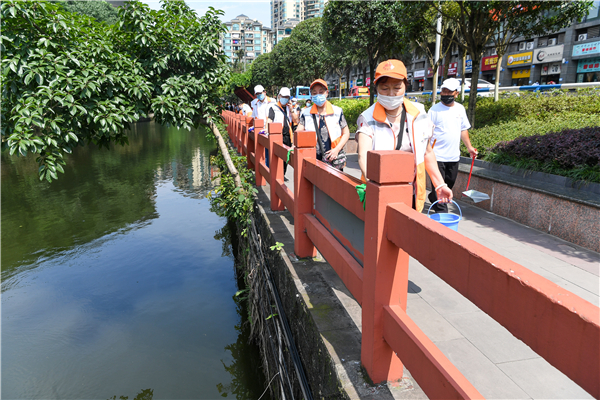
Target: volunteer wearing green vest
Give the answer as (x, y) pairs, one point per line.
(329, 123)
(394, 122)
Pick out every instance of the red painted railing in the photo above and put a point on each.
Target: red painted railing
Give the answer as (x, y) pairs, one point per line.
(560, 326)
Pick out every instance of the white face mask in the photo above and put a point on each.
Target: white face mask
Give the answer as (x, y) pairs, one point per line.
(390, 102)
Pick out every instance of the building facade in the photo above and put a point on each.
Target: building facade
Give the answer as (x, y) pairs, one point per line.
(246, 39)
(286, 14)
(571, 55)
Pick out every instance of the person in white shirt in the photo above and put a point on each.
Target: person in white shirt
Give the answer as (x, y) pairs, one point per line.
(282, 112)
(451, 125)
(261, 104)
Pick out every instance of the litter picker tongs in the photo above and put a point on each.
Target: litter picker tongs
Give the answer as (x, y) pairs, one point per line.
(474, 194)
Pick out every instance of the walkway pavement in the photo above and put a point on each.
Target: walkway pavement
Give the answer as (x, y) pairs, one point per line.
(499, 365)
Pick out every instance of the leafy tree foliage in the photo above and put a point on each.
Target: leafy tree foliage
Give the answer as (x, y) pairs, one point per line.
(68, 80)
(97, 9)
(370, 28)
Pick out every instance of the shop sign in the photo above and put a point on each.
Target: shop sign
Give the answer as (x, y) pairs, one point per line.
(368, 81)
(359, 82)
(519, 59)
(551, 69)
(586, 49)
(521, 73)
(589, 65)
(452, 68)
(468, 66)
(549, 54)
(343, 85)
(489, 63)
(419, 74)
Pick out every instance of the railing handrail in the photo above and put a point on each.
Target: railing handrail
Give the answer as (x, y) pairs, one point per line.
(559, 325)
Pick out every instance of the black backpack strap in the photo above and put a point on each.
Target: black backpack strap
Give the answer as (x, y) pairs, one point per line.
(319, 139)
(401, 133)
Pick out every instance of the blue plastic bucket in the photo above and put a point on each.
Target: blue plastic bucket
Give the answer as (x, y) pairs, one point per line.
(447, 219)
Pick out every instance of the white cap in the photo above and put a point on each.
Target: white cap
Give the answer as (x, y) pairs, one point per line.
(285, 92)
(294, 100)
(452, 84)
(259, 89)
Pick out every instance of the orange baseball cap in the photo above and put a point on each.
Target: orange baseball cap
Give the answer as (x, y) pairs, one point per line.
(392, 68)
(319, 82)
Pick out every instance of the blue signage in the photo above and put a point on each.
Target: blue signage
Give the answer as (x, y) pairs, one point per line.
(469, 66)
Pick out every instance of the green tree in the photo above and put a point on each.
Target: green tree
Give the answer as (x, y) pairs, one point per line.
(261, 72)
(69, 80)
(306, 57)
(482, 22)
(180, 56)
(382, 36)
(97, 9)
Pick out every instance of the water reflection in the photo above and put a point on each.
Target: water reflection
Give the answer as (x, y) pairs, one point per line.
(112, 280)
(146, 394)
(101, 191)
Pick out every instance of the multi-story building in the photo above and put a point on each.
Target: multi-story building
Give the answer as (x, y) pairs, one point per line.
(286, 14)
(314, 8)
(569, 55)
(247, 38)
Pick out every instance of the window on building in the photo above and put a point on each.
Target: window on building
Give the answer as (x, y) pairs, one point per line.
(257, 48)
(227, 41)
(257, 28)
(227, 47)
(236, 27)
(228, 34)
(248, 48)
(228, 53)
(280, 32)
(257, 35)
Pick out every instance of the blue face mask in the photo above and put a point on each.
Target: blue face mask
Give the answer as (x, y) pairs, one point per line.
(319, 99)
(261, 96)
(283, 100)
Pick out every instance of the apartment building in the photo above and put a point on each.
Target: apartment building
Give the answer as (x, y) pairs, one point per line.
(246, 37)
(286, 14)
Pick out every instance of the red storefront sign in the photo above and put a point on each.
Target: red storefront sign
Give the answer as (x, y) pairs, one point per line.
(452, 68)
(368, 81)
(489, 63)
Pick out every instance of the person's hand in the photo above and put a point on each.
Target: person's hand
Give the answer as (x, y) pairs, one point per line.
(332, 154)
(473, 152)
(444, 194)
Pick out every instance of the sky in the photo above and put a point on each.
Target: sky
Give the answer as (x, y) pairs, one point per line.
(255, 9)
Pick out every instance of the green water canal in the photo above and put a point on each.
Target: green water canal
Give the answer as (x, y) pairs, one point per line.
(117, 279)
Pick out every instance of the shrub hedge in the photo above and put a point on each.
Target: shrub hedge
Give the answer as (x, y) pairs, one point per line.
(572, 152)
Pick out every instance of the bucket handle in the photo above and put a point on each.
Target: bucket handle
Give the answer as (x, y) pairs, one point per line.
(459, 210)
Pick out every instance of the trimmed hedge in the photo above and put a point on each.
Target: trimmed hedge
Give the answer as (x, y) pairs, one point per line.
(352, 109)
(572, 152)
(484, 139)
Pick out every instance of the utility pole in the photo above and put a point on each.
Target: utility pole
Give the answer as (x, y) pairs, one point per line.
(437, 57)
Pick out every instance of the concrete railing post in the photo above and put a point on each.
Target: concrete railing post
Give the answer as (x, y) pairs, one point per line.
(259, 157)
(238, 134)
(252, 143)
(275, 165)
(385, 274)
(304, 147)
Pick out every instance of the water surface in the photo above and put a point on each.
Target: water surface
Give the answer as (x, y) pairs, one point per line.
(116, 280)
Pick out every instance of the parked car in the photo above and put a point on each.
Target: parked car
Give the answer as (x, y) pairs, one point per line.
(359, 91)
(481, 84)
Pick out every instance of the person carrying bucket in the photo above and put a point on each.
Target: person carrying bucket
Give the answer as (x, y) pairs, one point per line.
(451, 125)
(396, 123)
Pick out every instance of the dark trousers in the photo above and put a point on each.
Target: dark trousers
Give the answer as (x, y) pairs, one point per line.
(449, 171)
